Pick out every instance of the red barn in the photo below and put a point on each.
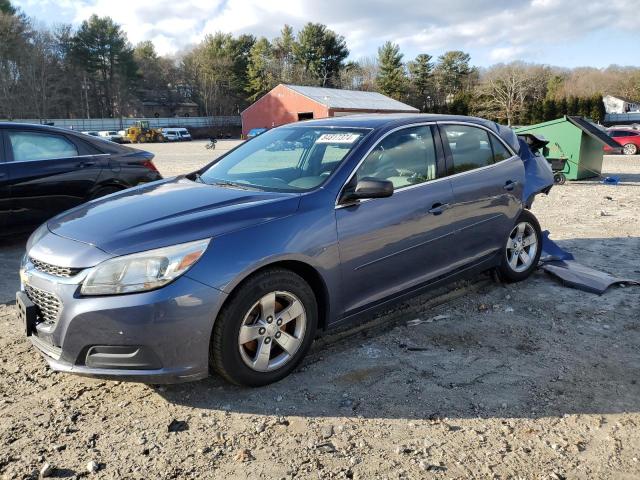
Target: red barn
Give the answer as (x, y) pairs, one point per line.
(291, 103)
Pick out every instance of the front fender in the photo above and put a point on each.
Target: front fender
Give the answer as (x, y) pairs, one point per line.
(308, 237)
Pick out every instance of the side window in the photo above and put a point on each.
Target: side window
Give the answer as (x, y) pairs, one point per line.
(500, 152)
(470, 147)
(406, 157)
(39, 146)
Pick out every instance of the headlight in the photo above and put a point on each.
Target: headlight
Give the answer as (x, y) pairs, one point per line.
(142, 271)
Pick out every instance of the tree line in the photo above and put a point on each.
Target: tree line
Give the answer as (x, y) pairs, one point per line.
(94, 71)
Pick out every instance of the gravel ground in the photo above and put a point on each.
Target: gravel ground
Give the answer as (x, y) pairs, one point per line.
(531, 380)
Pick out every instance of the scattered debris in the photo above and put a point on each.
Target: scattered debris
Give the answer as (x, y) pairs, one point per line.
(178, 426)
(46, 470)
(243, 455)
(418, 321)
(558, 262)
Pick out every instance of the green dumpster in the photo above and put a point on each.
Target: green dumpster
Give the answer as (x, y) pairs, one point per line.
(578, 141)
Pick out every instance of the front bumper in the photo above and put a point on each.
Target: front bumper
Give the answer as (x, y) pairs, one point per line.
(160, 336)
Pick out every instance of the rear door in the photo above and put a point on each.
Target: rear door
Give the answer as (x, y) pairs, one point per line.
(5, 191)
(487, 181)
(389, 245)
(49, 172)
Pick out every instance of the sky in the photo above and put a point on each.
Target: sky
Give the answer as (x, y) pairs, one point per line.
(566, 33)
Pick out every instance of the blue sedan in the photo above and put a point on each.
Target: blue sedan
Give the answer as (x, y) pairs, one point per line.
(236, 268)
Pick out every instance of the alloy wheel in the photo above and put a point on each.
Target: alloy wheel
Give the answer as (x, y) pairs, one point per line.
(272, 331)
(630, 149)
(522, 246)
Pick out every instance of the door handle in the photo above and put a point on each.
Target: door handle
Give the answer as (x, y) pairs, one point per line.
(510, 185)
(86, 164)
(438, 208)
(2, 175)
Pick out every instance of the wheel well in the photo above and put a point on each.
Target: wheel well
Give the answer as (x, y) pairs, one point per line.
(311, 276)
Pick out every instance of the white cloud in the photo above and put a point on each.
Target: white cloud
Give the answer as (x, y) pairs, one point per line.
(506, 54)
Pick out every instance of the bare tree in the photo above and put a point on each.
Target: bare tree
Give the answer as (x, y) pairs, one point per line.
(506, 88)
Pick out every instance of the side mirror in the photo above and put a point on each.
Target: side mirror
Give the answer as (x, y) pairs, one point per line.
(368, 187)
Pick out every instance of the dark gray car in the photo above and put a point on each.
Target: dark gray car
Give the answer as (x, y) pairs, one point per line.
(237, 267)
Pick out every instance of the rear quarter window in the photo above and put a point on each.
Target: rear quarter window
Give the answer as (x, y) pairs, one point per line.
(500, 152)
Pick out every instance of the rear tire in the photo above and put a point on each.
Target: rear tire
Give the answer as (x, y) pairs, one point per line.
(262, 358)
(630, 149)
(521, 252)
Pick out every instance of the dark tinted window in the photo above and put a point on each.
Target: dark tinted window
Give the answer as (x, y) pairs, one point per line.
(406, 157)
(28, 146)
(623, 133)
(500, 152)
(470, 147)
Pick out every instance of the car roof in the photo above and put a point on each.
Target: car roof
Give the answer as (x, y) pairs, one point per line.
(392, 120)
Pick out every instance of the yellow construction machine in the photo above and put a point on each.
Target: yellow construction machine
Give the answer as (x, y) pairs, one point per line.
(142, 133)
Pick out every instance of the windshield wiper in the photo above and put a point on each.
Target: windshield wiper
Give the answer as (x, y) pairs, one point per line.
(228, 184)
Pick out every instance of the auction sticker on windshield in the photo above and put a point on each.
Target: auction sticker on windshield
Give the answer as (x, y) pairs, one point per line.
(347, 138)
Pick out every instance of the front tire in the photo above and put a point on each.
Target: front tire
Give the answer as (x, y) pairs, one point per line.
(265, 329)
(523, 246)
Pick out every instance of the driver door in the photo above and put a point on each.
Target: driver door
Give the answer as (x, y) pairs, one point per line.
(388, 245)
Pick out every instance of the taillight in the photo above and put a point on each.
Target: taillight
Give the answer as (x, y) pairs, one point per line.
(149, 164)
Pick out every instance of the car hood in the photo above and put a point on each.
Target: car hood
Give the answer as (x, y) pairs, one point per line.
(167, 213)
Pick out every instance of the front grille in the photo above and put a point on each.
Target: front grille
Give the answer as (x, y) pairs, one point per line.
(48, 304)
(54, 270)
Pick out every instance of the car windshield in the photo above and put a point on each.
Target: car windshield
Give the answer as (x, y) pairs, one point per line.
(286, 159)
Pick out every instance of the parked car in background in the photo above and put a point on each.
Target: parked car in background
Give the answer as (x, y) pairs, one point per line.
(91, 133)
(254, 132)
(235, 267)
(176, 134)
(46, 170)
(111, 135)
(123, 135)
(627, 137)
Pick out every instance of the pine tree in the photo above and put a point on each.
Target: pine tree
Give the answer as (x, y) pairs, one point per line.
(421, 80)
(260, 78)
(321, 53)
(563, 107)
(573, 106)
(282, 50)
(392, 79)
(597, 109)
(549, 110)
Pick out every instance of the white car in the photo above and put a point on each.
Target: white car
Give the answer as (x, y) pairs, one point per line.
(176, 134)
(111, 135)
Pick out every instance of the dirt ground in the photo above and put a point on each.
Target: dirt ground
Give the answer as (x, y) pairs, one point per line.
(531, 380)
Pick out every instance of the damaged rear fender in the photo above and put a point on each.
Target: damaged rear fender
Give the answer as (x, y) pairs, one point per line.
(538, 173)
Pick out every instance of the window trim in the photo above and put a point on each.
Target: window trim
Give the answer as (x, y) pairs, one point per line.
(12, 159)
(439, 159)
(449, 154)
(4, 153)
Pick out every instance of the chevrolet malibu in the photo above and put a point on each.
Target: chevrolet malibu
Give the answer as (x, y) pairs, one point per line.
(237, 267)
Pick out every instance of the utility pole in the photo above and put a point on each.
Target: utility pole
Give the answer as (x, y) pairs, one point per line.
(85, 89)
